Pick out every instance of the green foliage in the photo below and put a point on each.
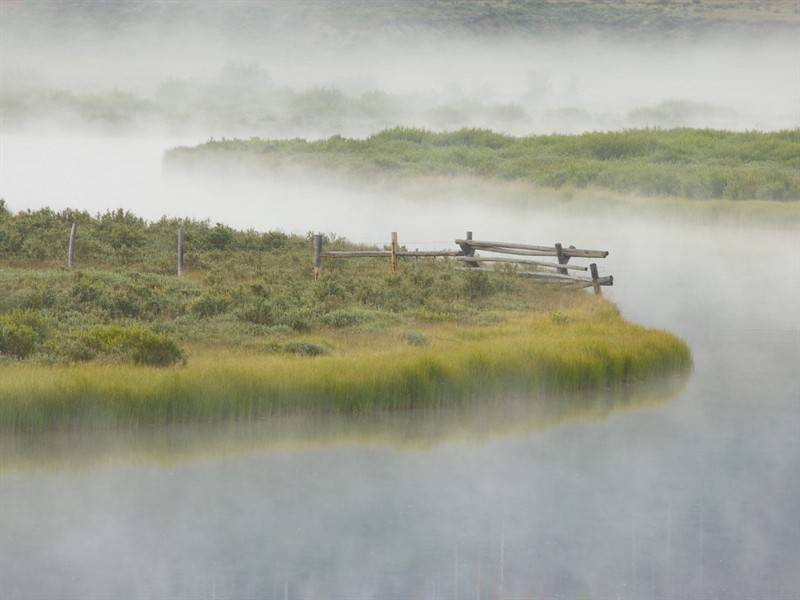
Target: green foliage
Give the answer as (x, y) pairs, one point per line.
(133, 343)
(477, 284)
(347, 317)
(18, 334)
(303, 348)
(210, 303)
(415, 338)
(691, 163)
(240, 286)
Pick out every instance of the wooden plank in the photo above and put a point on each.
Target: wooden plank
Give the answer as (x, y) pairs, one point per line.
(73, 234)
(180, 250)
(555, 277)
(518, 252)
(521, 261)
(394, 252)
(549, 250)
(355, 253)
(384, 253)
(531, 274)
(430, 253)
(587, 283)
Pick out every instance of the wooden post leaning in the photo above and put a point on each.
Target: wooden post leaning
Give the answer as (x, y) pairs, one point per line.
(562, 258)
(317, 255)
(394, 252)
(181, 239)
(469, 250)
(71, 250)
(595, 278)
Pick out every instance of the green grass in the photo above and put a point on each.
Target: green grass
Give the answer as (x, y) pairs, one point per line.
(248, 333)
(682, 163)
(591, 351)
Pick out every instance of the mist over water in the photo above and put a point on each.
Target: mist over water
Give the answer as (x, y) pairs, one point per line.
(278, 73)
(691, 498)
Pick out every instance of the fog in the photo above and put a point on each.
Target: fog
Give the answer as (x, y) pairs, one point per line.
(694, 497)
(691, 497)
(281, 75)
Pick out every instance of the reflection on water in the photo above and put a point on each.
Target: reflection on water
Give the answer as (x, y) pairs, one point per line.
(472, 423)
(692, 498)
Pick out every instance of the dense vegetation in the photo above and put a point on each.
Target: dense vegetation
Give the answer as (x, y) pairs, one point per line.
(241, 286)
(251, 333)
(690, 163)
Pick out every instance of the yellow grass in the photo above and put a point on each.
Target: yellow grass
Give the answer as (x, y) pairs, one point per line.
(593, 348)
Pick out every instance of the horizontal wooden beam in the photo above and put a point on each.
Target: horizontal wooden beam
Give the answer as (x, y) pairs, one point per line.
(519, 261)
(546, 250)
(388, 253)
(579, 282)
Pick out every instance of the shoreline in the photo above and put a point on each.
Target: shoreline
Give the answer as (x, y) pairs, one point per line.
(593, 351)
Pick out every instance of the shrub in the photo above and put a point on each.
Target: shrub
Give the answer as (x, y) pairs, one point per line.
(303, 348)
(300, 320)
(210, 303)
(20, 332)
(477, 284)
(261, 311)
(136, 344)
(415, 338)
(347, 317)
(16, 339)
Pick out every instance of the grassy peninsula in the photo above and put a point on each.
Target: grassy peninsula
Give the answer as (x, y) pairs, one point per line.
(697, 164)
(246, 333)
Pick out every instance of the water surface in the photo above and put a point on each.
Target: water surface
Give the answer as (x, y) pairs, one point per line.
(693, 496)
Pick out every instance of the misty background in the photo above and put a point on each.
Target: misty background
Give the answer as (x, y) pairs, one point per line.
(694, 498)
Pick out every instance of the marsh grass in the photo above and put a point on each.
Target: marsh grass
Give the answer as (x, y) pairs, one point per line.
(260, 337)
(595, 349)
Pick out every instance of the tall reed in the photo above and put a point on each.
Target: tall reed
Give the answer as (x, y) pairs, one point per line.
(536, 354)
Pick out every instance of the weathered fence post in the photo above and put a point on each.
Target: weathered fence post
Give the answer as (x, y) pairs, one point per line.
(317, 255)
(394, 252)
(71, 251)
(469, 251)
(180, 250)
(562, 258)
(595, 277)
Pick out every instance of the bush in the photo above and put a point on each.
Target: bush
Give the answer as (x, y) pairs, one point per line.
(415, 338)
(20, 332)
(300, 320)
(303, 348)
(477, 284)
(347, 317)
(16, 339)
(261, 311)
(210, 303)
(136, 344)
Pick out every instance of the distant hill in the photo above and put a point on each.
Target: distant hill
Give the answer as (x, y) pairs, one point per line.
(353, 17)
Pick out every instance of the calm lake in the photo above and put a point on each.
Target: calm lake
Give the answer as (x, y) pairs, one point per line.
(690, 490)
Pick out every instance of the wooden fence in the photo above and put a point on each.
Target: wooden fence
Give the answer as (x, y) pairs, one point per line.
(467, 259)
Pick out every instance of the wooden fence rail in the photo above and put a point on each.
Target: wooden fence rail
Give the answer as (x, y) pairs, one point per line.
(468, 260)
(466, 257)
